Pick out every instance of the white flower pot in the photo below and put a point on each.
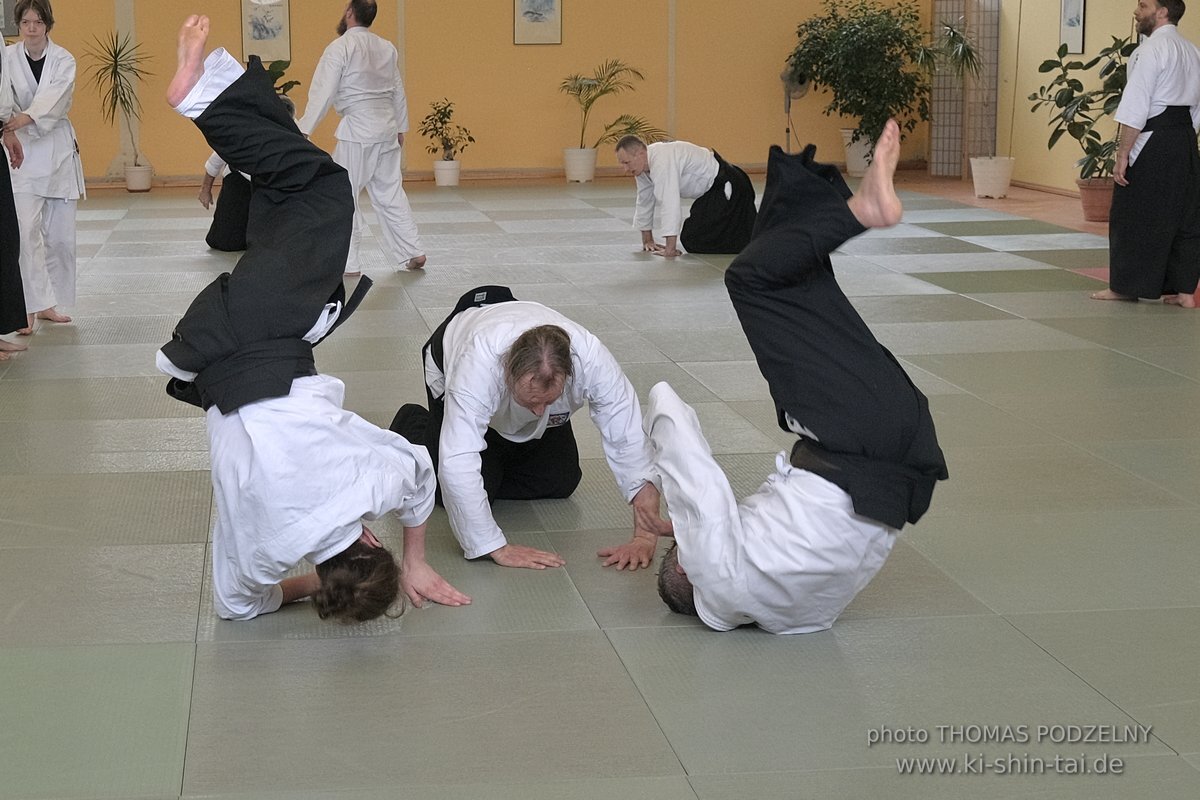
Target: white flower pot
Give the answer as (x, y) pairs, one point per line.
(857, 155)
(580, 163)
(445, 173)
(992, 175)
(138, 178)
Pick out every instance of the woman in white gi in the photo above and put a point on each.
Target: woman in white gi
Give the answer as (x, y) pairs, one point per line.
(294, 474)
(50, 182)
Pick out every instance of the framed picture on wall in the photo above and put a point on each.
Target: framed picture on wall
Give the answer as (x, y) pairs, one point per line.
(1071, 25)
(266, 30)
(537, 21)
(7, 26)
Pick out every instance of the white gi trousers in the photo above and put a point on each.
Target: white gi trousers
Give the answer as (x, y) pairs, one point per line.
(47, 250)
(376, 166)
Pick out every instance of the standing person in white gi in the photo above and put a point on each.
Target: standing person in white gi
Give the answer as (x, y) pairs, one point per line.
(49, 184)
(359, 77)
(503, 378)
(791, 556)
(294, 474)
(721, 218)
(1154, 228)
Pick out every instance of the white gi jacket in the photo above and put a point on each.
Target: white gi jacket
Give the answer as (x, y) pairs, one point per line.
(677, 170)
(358, 75)
(789, 557)
(52, 167)
(294, 477)
(477, 398)
(1163, 71)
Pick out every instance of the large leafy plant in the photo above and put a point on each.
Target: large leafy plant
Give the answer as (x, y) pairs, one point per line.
(876, 61)
(611, 77)
(1076, 111)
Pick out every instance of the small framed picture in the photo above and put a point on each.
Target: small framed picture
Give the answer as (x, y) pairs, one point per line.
(7, 26)
(1071, 25)
(537, 21)
(266, 30)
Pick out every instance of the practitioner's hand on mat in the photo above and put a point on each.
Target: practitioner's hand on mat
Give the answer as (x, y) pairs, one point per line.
(638, 552)
(421, 582)
(518, 555)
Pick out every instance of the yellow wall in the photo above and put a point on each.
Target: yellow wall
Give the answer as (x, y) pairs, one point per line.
(711, 69)
(1029, 36)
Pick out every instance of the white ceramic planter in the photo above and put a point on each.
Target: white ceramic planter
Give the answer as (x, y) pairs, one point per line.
(138, 178)
(857, 154)
(992, 175)
(579, 163)
(445, 173)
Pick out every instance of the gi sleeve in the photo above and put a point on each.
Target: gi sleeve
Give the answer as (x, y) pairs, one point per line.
(400, 100)
(614, 408)
(325, 80)
(664, 172)
(214, 166)
(460, 464)
(1142, 70)
(701, 504)
(54, 94)
(643, 212)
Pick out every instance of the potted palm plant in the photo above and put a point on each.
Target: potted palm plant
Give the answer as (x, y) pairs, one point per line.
(116, 69)
(1076, 112)
(611, 77)
(447, 138)
(876, 60)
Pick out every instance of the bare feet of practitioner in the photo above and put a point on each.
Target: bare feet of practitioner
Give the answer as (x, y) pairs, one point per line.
(876, 205)
(8, 347)
(190, 52)
(1109, 294)
(1181, 300)
(52, 315)
(416, 262)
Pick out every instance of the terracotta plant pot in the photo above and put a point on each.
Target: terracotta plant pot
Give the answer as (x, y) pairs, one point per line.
(1096, 196)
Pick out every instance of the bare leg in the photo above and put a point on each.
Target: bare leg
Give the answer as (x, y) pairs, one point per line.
(876, 205)
(1109, 294)
(192, 37)
(416, 262)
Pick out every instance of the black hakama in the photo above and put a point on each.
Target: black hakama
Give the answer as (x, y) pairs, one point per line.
(822, 364)
(243, 334)
(1154, 224)
(231, 216)
(720, 224)
(12, 294)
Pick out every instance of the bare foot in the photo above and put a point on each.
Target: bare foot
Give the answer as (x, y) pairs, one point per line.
(11, 347)
(28, 329)
(416, 262)
(876, 204)
(52, 315)
(192, 36)
(1109, 294)
(1181, 300)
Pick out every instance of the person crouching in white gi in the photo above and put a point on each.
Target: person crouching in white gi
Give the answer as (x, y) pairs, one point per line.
(503, 378)
(721, 218)
(294, 474)
(791, 556)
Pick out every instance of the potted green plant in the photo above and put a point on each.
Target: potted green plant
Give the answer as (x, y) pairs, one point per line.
(1076, 111)
(876, 60)
(447, 138)
(611, 77)
(116, 69)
